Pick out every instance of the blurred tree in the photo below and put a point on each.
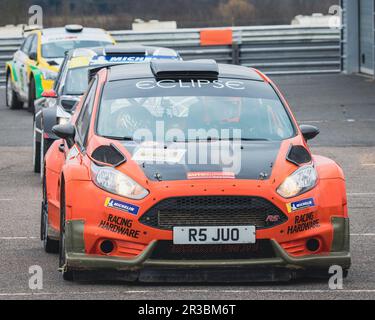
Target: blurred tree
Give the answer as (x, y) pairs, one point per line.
(119, 14)
(237, 10)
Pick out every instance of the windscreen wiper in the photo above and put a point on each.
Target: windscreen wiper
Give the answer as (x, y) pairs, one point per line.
(119, 138)
(249, 139)
(210, 139)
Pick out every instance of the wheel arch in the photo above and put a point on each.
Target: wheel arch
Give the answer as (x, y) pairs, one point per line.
(36, 74)
(9, 69)
(327, 168)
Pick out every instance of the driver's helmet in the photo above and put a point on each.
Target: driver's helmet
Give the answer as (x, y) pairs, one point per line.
(221, 109)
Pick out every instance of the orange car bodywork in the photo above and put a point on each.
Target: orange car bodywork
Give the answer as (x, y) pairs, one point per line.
(85, 202)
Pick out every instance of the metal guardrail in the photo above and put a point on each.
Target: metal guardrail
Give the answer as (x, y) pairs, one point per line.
(272, 49)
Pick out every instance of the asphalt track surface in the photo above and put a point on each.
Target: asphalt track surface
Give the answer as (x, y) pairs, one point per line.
(344, 109)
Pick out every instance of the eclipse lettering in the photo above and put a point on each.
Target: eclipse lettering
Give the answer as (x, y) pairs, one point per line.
(171, 84)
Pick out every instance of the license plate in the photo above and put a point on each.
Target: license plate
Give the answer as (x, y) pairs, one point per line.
(214, 235)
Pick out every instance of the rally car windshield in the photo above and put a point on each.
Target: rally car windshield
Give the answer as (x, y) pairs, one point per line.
(59, 48)
(184, 111)
(76, 81)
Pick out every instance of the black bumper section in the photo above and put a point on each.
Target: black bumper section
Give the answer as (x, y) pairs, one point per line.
(282, 267)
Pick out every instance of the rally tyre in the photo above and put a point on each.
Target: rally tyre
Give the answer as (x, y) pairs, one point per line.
(36, 153)
(11, 97)
(32, 96)
(67, 274)
(49, 245)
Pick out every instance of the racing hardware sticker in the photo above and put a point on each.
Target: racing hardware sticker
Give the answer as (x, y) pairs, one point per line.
(303, 223)
(123, 206)
(119, 225)
(210, 175)
(159, 155)
(299, 205)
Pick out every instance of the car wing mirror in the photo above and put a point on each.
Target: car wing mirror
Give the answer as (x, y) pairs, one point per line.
(68, 103)
(33, 56)
(309, 132)
(66, 132)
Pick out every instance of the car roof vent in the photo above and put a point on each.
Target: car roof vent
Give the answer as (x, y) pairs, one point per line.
(298, 155)
(108, 155)
(74, 28)
(185, 70)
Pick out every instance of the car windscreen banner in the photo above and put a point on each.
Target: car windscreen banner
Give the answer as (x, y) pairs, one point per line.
(221, 87)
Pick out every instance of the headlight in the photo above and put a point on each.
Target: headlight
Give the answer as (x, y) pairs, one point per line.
(301, 181)
(115, 182)
(62, 120)
(48, 74)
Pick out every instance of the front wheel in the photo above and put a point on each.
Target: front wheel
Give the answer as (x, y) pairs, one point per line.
(49, 245)
(36, 152)
(66, 273)
(45, 144)
(32, 96)
(11, 97)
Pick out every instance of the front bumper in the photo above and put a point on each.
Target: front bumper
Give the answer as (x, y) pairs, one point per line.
(77, 259)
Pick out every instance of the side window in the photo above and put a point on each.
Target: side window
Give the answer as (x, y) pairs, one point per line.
(34, 46)
(27, 44)
(84, 118)
(57, 86)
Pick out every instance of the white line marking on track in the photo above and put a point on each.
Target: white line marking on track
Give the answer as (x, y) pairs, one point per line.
(23, 199)
(334, 120)
(18, 238)
(313, 121)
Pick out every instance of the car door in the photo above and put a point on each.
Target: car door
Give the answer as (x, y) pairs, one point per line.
(61, 155)
(30, 61)
(19, 60)
(22, 66)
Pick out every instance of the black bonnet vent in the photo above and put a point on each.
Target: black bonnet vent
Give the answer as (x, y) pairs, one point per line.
(109, 155)
(298, 155)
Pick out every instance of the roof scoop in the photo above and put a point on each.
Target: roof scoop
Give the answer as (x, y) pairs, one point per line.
(73, 28)
(122, 50)
(185, 70)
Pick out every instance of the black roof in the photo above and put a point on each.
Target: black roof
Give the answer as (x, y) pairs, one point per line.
(137, 71)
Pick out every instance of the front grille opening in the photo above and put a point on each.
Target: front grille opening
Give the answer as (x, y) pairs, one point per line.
(213, 211)
(166, 250)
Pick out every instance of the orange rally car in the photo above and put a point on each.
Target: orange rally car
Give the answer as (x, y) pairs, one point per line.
(190, 171)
